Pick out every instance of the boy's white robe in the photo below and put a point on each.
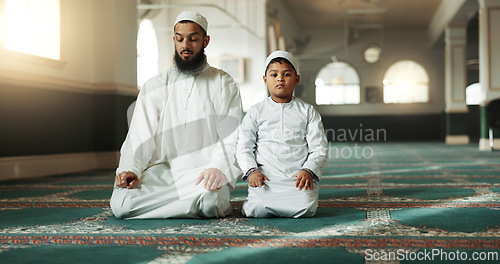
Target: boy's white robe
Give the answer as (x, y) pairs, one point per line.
(181, 125)
(279, 140)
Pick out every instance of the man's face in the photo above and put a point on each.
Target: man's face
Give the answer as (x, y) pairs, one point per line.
(189, 40)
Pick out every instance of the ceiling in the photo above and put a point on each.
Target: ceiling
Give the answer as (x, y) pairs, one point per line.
(387, 14)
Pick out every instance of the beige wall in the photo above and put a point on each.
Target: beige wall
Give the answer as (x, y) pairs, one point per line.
(98, 46)
(69, 115)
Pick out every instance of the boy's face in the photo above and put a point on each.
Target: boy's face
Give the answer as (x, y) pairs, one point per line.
(281, 79)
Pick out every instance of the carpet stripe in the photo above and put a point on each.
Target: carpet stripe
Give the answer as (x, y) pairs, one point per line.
(253, 242)
(336, 204)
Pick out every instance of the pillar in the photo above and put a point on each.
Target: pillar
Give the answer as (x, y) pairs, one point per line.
(489, 63)
(455, 83)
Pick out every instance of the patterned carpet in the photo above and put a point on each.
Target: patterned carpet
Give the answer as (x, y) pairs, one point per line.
(390, 202)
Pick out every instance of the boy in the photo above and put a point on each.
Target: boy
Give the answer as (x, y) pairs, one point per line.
(281, 147)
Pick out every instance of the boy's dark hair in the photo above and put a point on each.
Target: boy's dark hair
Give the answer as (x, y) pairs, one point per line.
(280, 60)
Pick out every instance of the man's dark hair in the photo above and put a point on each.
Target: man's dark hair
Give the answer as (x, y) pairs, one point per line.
(280, 60)
(189, 21)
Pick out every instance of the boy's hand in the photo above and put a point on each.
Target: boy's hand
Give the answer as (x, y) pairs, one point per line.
(255, 179)
(304, 180)
(126, 179)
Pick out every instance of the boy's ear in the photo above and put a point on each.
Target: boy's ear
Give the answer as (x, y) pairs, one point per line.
(265, 79)
(297, 80)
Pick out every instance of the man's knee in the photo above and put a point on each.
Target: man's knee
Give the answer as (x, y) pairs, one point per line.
(215, 203)
(119, 207)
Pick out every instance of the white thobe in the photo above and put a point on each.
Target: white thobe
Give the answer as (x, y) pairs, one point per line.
(181, 125)
(280, 139)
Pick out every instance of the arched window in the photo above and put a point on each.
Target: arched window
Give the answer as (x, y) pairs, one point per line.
(147, 52)
(406, 82)
(473, 94)
(337, 83)
(33, 27)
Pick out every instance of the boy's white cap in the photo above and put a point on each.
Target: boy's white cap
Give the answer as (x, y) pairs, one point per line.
(283, 54)
(193, 17)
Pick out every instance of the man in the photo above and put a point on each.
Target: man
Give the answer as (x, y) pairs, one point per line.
(178, 159)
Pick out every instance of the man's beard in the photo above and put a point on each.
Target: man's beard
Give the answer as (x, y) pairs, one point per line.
(193, 66)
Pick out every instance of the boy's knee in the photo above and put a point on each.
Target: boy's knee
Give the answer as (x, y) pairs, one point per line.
(262, 212)
(303, 206)
(256, 209)
(307, 212)
(309, 209)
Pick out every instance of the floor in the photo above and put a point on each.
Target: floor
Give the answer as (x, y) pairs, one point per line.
(391, 202)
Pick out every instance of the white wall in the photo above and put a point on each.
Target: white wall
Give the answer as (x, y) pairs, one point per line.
(396, 45)
(226, 38)
(283, 24)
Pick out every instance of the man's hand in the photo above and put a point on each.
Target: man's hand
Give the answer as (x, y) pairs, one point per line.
(212, 179)
(304, 180)
(255, 179)
(126, 179)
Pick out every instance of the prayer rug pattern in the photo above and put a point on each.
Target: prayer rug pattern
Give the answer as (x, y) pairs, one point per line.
(390, 202)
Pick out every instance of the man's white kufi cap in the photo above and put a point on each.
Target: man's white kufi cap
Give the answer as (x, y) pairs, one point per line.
(283, 54)
(193, 17)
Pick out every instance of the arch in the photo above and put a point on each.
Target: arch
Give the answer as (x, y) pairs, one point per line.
(473, 94)
(147, 52)
(337, 83)
(406, 81)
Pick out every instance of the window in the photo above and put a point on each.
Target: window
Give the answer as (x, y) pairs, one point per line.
(147, 52)
(33, 27)
(473, 94)
(406, 82)
(337, 83)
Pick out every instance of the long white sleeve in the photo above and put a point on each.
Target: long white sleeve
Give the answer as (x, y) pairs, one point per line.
(139, 145)
(228, 117)
(247, 137)
(187, 122)
(317, 144)
(281, 139)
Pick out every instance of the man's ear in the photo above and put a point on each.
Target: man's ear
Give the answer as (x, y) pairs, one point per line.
(206, 41)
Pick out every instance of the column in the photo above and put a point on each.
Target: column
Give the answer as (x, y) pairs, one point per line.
(489, 63)
(455, 83)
